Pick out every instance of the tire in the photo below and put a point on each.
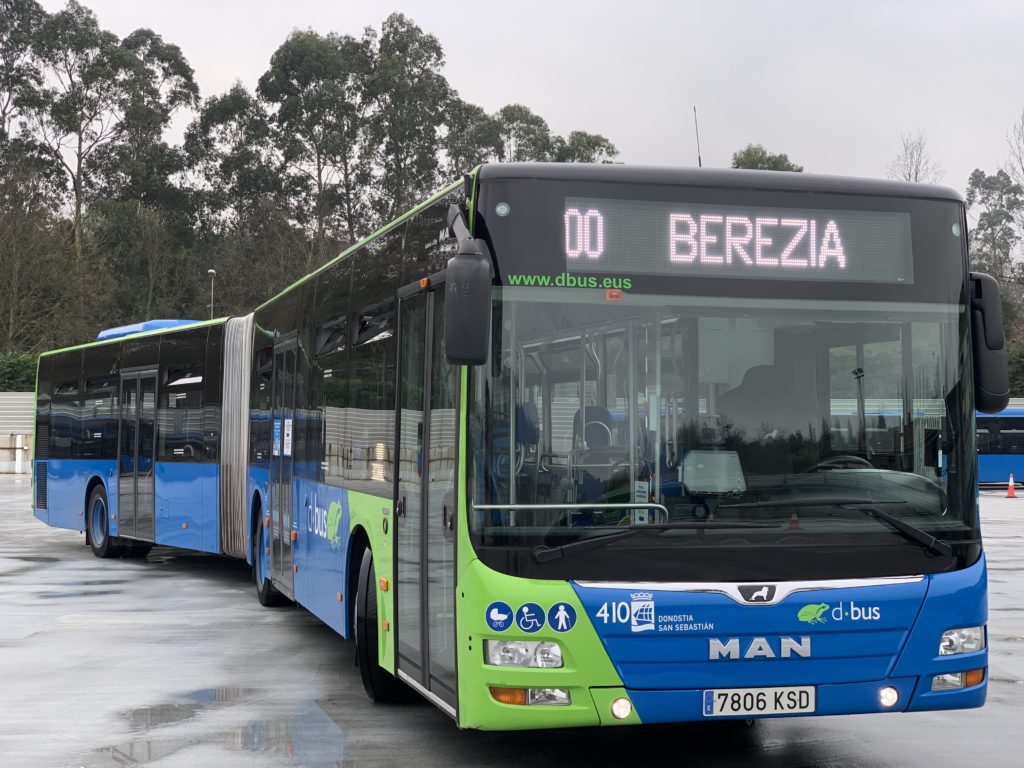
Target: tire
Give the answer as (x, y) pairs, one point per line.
(381, 686)
(97, 524)
(265, 592)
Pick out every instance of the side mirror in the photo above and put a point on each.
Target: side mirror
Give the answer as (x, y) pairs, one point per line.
(467, 306)
(991, 370)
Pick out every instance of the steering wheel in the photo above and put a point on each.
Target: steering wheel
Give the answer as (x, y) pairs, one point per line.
(841, 462)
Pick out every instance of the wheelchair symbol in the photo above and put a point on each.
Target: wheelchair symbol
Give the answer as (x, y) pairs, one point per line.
(530, 617)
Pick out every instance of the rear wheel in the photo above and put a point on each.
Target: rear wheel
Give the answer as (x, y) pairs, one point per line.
(265, 592)
(380, 685)
(98, 524)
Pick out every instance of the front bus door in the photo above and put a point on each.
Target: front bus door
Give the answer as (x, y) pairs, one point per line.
(136, 512)
(281, 465)
(425, 512)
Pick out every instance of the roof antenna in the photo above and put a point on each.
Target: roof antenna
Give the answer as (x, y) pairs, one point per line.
(696, 130)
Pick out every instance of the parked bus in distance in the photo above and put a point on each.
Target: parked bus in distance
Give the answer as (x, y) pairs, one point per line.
(576, 445)
(1001, 445)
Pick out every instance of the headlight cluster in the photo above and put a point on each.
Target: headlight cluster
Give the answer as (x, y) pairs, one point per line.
(963, 640)
(523, 653)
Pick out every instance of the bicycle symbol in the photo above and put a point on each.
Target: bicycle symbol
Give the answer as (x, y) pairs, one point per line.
(530, 617)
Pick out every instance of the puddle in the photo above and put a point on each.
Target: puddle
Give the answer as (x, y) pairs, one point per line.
(162, 714)
(35, 558)
(145, 718)
(305, 736)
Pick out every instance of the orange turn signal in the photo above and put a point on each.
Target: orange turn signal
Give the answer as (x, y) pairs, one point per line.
(509, 695)
(383, 583)
(295, 535)
(974, 677)
(424, 282)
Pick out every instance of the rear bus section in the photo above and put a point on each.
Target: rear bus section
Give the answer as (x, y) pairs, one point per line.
(127, 444)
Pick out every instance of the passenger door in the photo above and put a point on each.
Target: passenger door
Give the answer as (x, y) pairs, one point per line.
(425, 511)
(282, 464)
(137, 441)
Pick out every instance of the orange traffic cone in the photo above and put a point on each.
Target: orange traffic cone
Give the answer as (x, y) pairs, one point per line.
(1010, 494)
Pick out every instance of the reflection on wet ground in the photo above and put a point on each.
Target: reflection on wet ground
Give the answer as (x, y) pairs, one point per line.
(170, 661)
(305, 731)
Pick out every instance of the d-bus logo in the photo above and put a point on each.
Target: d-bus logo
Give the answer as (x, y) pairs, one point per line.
(757, 593)
(326, 522)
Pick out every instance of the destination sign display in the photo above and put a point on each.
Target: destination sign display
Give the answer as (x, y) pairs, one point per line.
(658, 238)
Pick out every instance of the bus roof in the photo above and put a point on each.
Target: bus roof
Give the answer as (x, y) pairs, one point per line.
(151, 332)
(728, 178)
(148, 325)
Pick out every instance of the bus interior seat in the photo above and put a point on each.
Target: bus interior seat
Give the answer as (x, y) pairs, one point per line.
(597, 427)
(598, 463)
(770, 396)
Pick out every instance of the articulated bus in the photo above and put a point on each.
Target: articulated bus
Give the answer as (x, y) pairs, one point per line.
(1001, 445)
(583, 445)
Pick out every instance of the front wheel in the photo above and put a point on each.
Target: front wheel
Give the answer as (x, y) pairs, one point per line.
(380, 685)
(98, 521)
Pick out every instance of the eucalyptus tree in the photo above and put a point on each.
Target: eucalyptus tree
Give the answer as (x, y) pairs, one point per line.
(409, 94)
(316, 85)
(242, 195)
(756, 157)
(996, 202)
(471, 137)
(19, 68)
(583, 147)
(79, 107)
(525, 135)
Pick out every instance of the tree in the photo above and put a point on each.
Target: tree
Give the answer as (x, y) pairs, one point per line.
(17, 372)
(229, 145)
(525, 136)
(471, 137)
(756, 157)
(318, 85)
(409, 94)
(19, 70)
(243, 197)
(80, 108)
(157, 269)
(583, 147)
(33, 253)
(137, 164)
(997, 201)
(912, 161)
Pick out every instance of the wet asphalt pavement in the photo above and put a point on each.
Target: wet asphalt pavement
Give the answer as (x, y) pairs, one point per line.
(170, 661)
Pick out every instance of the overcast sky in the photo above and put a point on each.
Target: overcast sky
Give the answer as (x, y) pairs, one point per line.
(832, 84)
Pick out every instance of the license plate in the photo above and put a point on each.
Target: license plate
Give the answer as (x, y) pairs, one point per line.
(730, 702)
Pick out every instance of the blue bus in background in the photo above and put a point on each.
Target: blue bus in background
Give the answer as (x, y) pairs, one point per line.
(1001, 445)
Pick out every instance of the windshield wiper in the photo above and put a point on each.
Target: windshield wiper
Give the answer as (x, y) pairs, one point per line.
(868, 507)
(545, 554)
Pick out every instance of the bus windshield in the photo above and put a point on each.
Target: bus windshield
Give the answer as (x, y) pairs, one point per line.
(719, 410)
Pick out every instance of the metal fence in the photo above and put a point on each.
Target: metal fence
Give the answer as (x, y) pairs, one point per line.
(17, 416)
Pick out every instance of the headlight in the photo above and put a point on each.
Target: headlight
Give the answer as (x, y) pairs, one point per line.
(523, 653)
(963, 640)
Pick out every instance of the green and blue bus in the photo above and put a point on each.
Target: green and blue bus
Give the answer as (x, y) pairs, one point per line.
(583, 445)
